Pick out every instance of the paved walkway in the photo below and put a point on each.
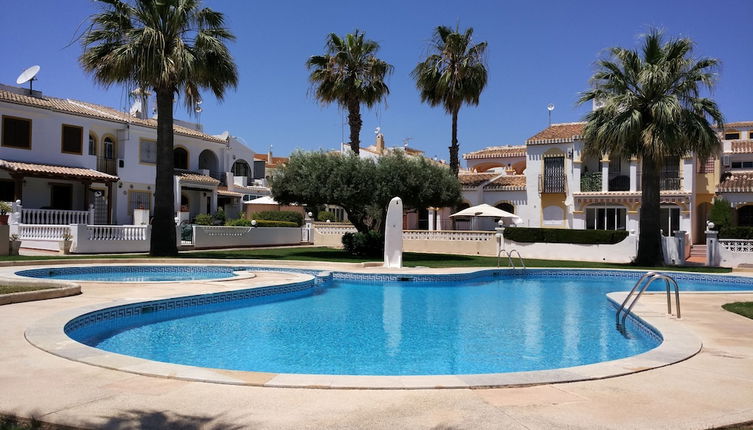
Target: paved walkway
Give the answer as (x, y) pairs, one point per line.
(712, 388)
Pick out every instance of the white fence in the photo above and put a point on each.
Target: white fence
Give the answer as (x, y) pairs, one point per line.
(54, 216)
(205, 236)
(450, 242)
(733, 252)
(86, 238)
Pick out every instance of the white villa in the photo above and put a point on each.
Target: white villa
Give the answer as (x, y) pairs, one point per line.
(69, 155)
(549, 182)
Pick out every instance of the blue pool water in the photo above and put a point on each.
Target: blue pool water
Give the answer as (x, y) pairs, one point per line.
(484, 325)
(132, 273)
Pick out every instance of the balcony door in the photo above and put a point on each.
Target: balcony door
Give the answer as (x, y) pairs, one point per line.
(554, 174)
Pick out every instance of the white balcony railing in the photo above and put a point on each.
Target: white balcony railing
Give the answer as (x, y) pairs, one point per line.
(56, 216)
(116, 232)
(42, 231)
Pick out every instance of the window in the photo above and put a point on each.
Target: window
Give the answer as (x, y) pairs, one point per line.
(16, 132)
(73, 137)
(61, 196)
(180, 157)
(7, 191)
(139, 200)
(732, 135)
(670, 174)
(108, 147)
(742, 164)
(554, 175)
(148, 151)
(669, 217)
(241, 168)
(92, 144)
(606, 218)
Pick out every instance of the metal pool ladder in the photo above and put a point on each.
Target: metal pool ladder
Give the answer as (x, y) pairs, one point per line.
(646, 280)
(509, 258)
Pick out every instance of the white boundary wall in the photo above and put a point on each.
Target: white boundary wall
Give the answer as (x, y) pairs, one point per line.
(734, 252)
(205, 236)
(623, 252)
(98, 239)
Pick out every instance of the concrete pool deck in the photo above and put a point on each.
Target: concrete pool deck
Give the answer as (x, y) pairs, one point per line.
(714, 387)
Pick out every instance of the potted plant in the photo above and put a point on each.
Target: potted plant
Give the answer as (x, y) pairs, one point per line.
(15, 244)
(4, 209)
(65, 244)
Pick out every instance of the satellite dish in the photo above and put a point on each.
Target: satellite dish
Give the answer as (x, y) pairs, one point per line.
(199, 101)
(550, 107)
(377, 130)
(28, 75)
(198, 109)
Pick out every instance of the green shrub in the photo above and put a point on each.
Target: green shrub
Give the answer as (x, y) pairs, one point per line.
(369, 244)
(240, 222)
(289, 216)
(721, 214)
(5, 208)
(203, 219)
(219, 217)
(326, 215)
(736, 233)
(563, 235)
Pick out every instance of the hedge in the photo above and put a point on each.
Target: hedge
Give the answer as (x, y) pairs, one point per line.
(563, 235)
(736, 233)
(242, 222)
(289, 216)
(370, 244)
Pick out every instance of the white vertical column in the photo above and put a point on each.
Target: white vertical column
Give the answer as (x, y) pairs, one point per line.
(438, 223)
(176, 198)
(432, 218)
(213, 202)
(605, 174)
(633, 174)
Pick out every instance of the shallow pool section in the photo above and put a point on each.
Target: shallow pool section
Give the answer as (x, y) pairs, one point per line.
(133, 273)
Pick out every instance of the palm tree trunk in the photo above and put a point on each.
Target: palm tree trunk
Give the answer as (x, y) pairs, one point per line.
(163, 227)
(354, 121)
(454, 147)
(649, 239)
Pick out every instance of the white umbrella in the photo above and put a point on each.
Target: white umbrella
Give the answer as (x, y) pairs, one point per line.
(266, 200)
(485, 210)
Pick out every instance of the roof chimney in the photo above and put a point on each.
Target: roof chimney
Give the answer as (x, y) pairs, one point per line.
(380, 143)
(269, 155)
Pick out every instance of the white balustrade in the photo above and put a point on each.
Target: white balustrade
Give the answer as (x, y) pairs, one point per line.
(116, 232)
(42, 231)
(451, 235)
(737, 245)
(225, 231)
(334, 229)
(56, 216)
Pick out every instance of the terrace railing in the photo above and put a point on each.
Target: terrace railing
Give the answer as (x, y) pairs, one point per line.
(55, 216)
(43, 232)
(451, 235)
(117, 232)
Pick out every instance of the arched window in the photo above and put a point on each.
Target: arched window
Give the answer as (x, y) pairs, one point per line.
(606, 217)
(108, 148)
(241, 168)
(92, 144)
(745, 216)
(507, 207)
(208, 161)
(180, 158)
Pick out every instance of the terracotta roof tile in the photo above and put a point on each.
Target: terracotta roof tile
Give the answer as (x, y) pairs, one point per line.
(557, 133)
(52, 170)
(276, 161)
(91, 110)
(475, 179)
(737, 182)
(197, 178)
(497, 152)
(223, 191)
(507, 183)
(742, 146)
(729, 125)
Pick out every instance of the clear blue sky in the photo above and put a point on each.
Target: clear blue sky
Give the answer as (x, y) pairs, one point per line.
(539, 52)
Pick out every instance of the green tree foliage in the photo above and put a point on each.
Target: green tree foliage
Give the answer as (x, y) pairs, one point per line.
(454, 73)
(652, 109)
(721, 214)
(171, 47)
(364, 187)
(350, 74)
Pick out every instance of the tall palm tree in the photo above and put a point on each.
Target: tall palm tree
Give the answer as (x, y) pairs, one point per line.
(652, 109)
(169, 46)
(350, 74)
(453, 74)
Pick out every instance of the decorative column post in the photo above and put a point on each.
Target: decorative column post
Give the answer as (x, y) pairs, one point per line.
(633, 174)
(432, 218)
(500, 237)
(90, 218)
(712, 243)
(605, 173)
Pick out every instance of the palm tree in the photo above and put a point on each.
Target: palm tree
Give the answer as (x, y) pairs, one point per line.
(170, 46)
(453, 74)
(652, 109)
(350, 74)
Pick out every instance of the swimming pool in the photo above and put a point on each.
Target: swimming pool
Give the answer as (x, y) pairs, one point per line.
(135, 273)
(391, 325)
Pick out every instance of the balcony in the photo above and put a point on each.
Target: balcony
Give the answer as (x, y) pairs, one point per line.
(670, 183)
(107, 165)
(553, 183)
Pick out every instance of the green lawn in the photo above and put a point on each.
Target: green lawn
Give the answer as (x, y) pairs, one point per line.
(410, 259)
(742, 308)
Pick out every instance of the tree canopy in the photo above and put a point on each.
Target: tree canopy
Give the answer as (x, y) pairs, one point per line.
(652, 107)
(364, 187)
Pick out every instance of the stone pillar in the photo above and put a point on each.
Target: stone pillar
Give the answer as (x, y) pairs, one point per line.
(605, 174)
(438, 223)
(500, 238)
(432, 219)
(680, 236)
(633, 174)
(712, 244)
(90, 218)
(15, 216)
(213, 202)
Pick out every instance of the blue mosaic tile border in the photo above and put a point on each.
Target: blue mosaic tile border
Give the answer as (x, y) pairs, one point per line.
(47, 272)
(172, 304)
